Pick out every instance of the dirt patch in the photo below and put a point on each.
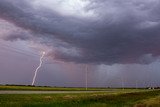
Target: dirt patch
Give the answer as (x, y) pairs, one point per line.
(67, 97)
(48, 98)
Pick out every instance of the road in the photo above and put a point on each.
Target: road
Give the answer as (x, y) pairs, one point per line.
(46, 92)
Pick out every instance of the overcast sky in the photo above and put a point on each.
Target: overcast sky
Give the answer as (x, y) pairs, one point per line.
(118, 40)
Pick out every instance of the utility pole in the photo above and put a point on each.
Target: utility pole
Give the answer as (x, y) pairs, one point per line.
(86, 77)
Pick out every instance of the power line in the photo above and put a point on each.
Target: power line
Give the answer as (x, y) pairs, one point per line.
(17, 50)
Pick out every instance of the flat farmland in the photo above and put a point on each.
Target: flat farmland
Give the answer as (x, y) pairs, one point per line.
(77, 97)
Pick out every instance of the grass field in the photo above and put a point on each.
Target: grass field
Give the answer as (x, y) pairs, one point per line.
(110, 98)
(32, 88)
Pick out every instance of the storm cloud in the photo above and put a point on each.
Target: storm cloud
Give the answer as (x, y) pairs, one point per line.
(125, 31)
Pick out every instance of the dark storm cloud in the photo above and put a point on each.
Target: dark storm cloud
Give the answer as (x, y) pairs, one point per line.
(123, 31)
(14, 37)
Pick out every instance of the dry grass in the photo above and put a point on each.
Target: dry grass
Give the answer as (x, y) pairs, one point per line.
(151, 102)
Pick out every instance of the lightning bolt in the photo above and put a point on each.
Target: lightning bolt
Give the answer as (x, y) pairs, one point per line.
(36, 71)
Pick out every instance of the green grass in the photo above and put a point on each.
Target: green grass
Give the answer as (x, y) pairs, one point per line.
(116, 98)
